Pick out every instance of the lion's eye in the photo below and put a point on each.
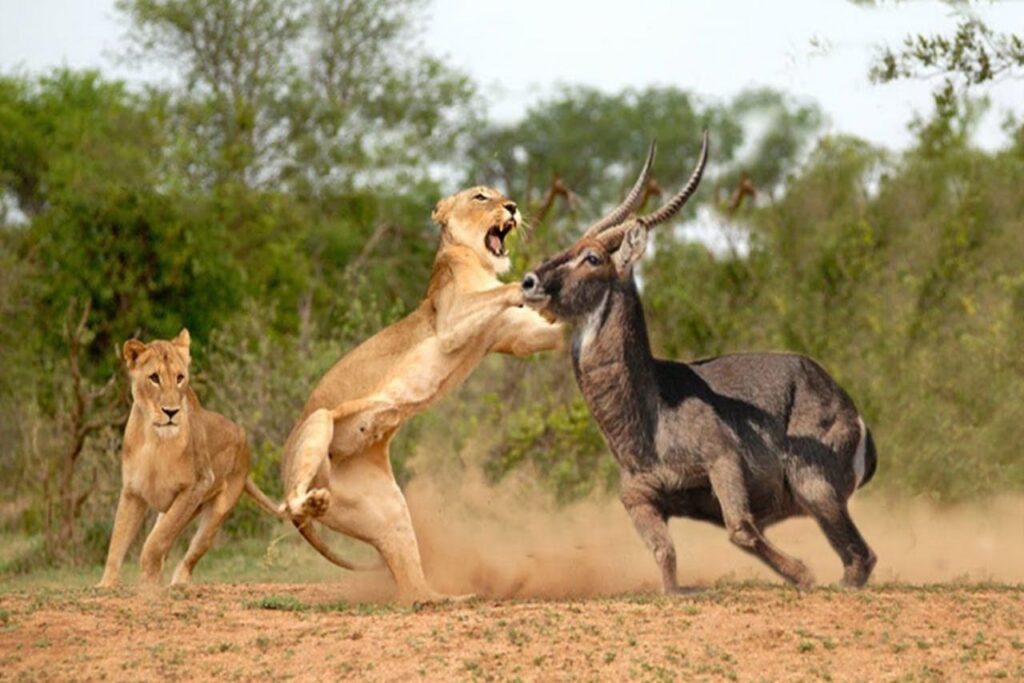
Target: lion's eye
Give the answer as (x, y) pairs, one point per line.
(592, 259)
(154, 378)
(481, 198)
(181, 378)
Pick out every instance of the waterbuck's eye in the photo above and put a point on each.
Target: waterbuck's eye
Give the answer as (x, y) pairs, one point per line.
(154, 378)
(592, 259)
(181, 378)
(480, 198)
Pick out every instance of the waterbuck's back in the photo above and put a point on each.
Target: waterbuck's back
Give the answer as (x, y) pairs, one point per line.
(786, 386)
(773, 400)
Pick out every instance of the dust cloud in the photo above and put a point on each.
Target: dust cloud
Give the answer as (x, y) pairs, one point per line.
(511, 540)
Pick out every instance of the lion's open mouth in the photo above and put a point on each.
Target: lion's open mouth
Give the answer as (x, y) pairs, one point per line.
(495, 238)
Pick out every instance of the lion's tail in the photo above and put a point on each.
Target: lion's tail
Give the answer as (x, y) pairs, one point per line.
(305, 528)
(308, 532)
(262, 499)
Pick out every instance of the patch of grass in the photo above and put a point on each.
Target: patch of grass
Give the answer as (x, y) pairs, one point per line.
(282, 603)
(221, 647)
(289, 603)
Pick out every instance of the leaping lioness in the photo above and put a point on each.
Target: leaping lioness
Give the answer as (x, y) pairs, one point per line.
(336, 466)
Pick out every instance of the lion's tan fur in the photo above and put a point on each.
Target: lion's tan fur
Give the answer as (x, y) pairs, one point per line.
(336, 466)
(192, 463)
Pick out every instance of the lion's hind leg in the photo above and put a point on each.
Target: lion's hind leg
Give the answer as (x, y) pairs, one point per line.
(359, 423)
(311, 450)
(211, 516)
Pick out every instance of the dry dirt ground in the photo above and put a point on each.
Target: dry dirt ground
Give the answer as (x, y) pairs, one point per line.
(571, 594)
(734, 631)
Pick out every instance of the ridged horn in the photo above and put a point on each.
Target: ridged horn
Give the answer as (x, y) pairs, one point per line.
(672, 206)
(629, 204)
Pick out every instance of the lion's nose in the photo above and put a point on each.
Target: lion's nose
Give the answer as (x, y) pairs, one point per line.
(529, 282)
(511, 208)
(171, 412)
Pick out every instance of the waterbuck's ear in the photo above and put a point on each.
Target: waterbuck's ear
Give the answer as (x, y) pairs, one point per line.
(443, 211)
(182, 343)
(634, 242)
(131, 351)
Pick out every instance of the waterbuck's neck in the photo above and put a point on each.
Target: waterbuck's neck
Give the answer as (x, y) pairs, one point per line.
(615, 371)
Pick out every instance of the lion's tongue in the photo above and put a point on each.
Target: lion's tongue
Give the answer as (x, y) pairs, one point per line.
(494, 243)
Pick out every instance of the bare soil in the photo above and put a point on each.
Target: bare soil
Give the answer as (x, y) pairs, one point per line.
(570, 593)
(736, 631)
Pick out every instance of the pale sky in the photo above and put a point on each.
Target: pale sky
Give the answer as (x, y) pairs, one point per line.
(518, 50)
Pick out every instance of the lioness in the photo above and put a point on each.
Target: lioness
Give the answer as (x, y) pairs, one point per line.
(336, 466)
(178, 458)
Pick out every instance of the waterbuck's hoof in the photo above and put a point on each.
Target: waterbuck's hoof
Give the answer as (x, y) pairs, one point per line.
(685, 590)
(859, 571)
(802, 579)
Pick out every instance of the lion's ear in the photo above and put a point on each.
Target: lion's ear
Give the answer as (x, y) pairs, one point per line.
(131, 351)
(182, 343)
(443, 211)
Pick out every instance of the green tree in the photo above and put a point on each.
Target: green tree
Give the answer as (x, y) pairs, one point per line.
(303, 94)
(972, 56)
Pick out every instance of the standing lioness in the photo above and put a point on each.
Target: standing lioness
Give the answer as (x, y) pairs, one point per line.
(178, 458)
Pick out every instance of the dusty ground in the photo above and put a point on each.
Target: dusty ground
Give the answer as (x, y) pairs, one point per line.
(305, 632)
(571, 594)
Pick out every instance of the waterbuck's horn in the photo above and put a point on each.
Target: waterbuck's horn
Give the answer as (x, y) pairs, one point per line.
(669, 208)
(629, 204)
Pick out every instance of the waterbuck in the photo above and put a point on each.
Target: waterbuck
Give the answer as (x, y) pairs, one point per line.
(742, 441)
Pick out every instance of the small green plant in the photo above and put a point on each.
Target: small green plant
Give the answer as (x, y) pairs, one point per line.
(283, 603)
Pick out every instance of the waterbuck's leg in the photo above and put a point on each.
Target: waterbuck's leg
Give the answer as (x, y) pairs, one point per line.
(652, 526)
(845, 538)
(820, 500)
(727, 482)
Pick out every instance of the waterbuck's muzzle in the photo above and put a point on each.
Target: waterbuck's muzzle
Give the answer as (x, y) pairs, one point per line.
(533, 291)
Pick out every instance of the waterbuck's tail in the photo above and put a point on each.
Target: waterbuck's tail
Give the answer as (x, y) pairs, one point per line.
(261, 499)
(865, 460)
(308, 532)
(870, 457)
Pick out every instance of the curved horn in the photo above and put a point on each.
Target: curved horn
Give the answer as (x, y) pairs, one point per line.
(669, 208)
(628, 205)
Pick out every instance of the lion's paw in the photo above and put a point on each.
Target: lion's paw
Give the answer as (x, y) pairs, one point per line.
(313, 504)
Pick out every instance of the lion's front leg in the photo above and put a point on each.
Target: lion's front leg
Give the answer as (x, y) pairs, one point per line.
(169, 525)
(523, 332)
(131, 511)
(463, 317)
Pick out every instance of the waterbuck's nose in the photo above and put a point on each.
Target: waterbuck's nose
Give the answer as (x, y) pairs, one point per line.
(171, 412)
(530, 282)
(511, 208)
